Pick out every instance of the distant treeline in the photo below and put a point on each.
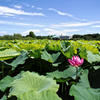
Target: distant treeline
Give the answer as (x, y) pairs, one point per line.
(20, 37)
(31, 36)
(95, 36)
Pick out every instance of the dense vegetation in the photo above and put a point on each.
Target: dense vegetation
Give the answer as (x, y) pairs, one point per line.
(32, 36)
(95, 36)
(40, 70)
(18, 36)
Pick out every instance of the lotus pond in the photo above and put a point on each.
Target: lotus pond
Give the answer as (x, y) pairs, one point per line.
(49, 70)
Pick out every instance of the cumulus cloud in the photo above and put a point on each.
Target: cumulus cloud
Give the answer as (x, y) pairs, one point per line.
(6, 10)
(36, 31)
(51, 31)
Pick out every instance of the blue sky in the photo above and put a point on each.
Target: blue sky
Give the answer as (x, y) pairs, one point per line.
(49, 17)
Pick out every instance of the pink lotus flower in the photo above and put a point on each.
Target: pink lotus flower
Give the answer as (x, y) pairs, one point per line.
(76, 61)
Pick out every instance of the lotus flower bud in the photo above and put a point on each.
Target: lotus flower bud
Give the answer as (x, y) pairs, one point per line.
(76, 61)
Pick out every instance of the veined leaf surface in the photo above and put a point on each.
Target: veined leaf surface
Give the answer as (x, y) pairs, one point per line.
(31, 86)
(8, 54)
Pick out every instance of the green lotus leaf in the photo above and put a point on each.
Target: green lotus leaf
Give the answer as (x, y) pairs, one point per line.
(50, 57)
(19, 60)
(96, 67)
(5, 82)
(32, 86)
(67, 49)
(8, 54)
(69, 72)
(93, 57)
(83, 91)
(4, 98)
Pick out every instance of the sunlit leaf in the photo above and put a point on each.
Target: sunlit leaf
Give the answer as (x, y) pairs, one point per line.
(31, 86)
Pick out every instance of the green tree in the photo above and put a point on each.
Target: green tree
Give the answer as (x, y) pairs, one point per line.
(7, 37)
(31, 34)
(17, 36)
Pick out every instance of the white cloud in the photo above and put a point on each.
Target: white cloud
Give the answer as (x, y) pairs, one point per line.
(6, 10)
(98, 26)
(59, 12)
(17, 6)
(36, 31)
(38, 8)
(7, 14)
(71, 24)
(20, 24)
(76, 24)
(65, 14)
(51, 31)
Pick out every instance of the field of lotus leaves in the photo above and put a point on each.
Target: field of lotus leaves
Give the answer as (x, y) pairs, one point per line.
(49, 70)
